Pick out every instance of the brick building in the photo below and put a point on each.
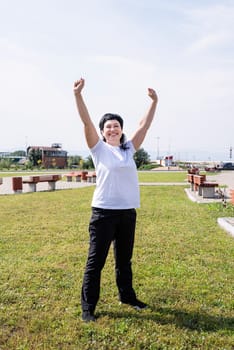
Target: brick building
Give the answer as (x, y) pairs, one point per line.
(48, 157)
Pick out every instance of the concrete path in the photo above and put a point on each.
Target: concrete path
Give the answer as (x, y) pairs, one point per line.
(6, 187)
(224, 178)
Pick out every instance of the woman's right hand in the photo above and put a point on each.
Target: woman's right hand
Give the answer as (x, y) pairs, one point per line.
(78, 86)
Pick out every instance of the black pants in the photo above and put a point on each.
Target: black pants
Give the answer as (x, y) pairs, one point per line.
(106, 226)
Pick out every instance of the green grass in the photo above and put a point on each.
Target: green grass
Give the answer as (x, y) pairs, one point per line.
(183, 268)
(144, 176)
(163, 176)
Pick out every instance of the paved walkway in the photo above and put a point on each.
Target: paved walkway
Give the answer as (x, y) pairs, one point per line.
(6, 187)
(224, 178)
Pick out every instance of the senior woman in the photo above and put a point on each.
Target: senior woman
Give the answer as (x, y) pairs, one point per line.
(114, 202)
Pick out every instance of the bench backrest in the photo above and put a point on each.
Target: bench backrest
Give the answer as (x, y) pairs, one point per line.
(190, 178)
(49, 178)
(34, 178)
(199, 179)
(43, 178)
(193, 171)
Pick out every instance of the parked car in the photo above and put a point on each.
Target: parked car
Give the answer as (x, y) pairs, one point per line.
(213, 169)
(228, 166)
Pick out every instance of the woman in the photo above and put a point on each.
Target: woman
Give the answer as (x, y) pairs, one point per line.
(114, 201)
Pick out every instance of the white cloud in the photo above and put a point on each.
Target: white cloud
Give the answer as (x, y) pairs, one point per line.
(212, 27)
(124, 61)
(209, 41)
(212, 16)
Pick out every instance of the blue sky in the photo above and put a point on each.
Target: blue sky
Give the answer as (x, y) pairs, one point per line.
(183, 49)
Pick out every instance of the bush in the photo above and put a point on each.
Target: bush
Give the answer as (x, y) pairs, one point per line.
(149, 166)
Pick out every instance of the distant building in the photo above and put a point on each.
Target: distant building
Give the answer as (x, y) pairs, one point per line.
(49, 157)
(168, 160)
(17, 159)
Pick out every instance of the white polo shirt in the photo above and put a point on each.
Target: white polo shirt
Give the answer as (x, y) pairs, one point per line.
(117, 181)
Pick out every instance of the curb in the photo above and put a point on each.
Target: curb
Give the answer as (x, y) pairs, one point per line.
(227, 224)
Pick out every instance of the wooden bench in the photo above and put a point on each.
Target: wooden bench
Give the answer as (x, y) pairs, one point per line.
(205, 189)
(32, 181)
(190, 180)
(81, 176)
(193, 171)
(17, 184)
(75, 174)
(232, 196)
(198, 181)
(91, 177)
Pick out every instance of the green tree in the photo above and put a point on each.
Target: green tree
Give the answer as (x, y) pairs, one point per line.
(141, 158)
(88, 163)
(19, 153)
(34, 156)
(74, 161)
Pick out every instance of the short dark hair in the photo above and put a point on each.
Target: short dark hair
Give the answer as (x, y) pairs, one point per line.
(110, 116)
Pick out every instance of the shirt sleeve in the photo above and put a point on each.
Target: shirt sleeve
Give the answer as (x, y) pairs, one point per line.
(132, 148)
(97, 147)
(96, 151)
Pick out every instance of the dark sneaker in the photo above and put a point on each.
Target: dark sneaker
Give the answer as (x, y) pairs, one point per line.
(88, 316)
(136, 304)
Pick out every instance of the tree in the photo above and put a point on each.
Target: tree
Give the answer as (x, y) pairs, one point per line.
(88, 163)
(34, 156)
(19, 153)
(74, 161)
(141, 158)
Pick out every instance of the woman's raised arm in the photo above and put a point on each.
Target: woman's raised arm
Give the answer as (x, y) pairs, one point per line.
(140, 133)
(91, 134)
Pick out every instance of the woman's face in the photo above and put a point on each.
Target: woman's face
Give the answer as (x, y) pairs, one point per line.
(112, 132)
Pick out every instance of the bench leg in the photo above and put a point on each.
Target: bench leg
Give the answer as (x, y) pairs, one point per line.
(208, 192)
(17, 184)
(32, 187)
(199, 190)
(51, 185)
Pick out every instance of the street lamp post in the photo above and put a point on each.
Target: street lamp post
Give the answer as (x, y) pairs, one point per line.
(158, 147)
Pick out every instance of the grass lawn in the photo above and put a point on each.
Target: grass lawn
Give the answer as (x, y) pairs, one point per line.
(183, 268)
(162, 176)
